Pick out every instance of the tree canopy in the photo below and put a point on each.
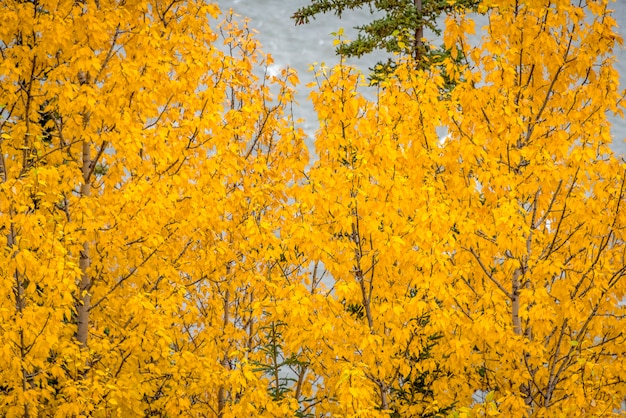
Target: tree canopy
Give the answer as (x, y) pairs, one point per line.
(168, 251)
(398, 26)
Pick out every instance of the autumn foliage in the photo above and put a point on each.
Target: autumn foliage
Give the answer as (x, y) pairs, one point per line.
(168, 250)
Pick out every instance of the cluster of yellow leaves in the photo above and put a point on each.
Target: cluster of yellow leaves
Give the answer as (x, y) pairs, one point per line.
(539, 258)
(167, 252)
(144, 169)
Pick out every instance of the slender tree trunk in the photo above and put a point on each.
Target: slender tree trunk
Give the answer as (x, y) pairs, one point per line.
(515, 303)
(516, 286)
(84, 298)
(366, 297)
(20, 299)
(19, 307)
(221, 393)
(419, 34)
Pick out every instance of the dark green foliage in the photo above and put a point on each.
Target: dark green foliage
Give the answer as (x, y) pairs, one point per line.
(281, 370)
(356, 309)
(400, 29)
(416, 387)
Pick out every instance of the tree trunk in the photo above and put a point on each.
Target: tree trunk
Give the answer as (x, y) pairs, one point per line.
(83, 304)
(222, 393)
(419, 34)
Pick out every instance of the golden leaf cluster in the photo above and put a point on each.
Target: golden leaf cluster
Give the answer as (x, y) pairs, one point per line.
(168, 249)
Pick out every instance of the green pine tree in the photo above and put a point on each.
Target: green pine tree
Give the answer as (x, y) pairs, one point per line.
(400, 29)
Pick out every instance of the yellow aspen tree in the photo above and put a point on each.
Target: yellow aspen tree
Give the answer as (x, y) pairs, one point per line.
(242, 196)
(537, 197)
(510, 230)
(145, 171)
(370, 222)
